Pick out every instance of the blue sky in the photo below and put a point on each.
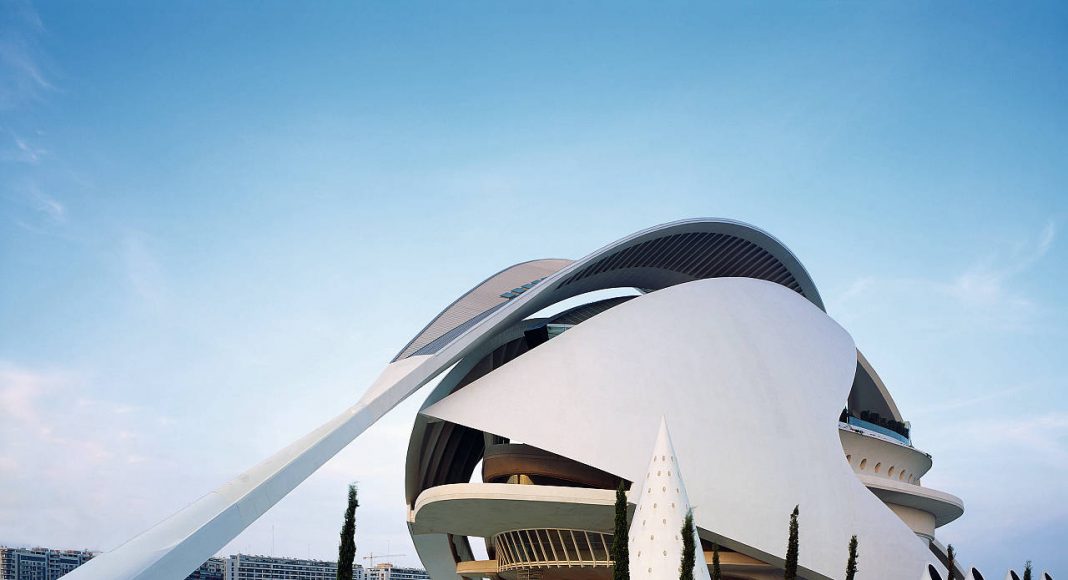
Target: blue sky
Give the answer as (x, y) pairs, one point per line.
(218, 222)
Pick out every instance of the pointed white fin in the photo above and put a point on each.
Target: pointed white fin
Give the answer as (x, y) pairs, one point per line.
(662, 505)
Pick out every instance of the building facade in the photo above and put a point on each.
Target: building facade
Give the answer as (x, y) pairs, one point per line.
(390, 572)
(39, 563)
(711, 324)
(248, 567)
(551, 379)
(212, 569)
(49, 564)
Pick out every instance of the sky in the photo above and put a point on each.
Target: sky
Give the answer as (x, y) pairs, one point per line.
(219, 221)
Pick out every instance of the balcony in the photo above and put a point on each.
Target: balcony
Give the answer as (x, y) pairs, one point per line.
(872, 421)
(516, 462)
(552, 548)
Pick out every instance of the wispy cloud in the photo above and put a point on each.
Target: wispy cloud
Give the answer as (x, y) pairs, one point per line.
(1043, 435)
(53, 440)
(25, 405)
(1010, 467)
(22, 150)
(985, 292)
(1036, 442)
(856, 288)
(959, 403)
(23, 81)
(143, 271)
(22, 76)
(38, 211)
(986, 283)
(48, 205)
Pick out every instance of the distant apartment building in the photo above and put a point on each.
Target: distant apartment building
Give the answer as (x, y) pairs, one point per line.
(391, 572)
(213, 569)
(39, 563)
(49, 564)
(245, 567)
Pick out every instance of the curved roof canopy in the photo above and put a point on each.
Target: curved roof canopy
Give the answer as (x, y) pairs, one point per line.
(651, 259)
(478, 302)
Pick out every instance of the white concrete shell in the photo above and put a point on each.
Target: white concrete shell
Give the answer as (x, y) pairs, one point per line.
(651, 260)
(655, 542)
(761, 374)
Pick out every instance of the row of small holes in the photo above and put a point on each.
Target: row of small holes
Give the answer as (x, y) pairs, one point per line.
(878, 468)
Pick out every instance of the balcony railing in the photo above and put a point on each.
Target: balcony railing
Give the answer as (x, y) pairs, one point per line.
(552, 548)
(854, 421)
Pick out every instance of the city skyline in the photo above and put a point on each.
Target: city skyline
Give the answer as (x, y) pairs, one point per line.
(221, 224)
(45, 563)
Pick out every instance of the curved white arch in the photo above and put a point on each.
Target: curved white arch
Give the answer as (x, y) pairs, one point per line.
(654, 258)
(481, 300)
(657, 257)
(758, 368)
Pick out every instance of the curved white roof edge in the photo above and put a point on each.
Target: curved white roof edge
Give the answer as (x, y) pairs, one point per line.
(484, 297)
(804, 368)
(879, 385)
(181, 542)
(945, 507)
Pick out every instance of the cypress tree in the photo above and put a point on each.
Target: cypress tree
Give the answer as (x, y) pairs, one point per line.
(791, 549)
(851, 565)
(951, 556)
(346, 550)
(620, 551)
(716, 574)
(1027, 571)
(688, 548)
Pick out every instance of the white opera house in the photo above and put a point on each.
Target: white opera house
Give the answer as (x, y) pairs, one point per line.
(552, 382)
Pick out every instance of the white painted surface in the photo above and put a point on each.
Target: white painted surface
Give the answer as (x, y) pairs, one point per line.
(655, 531)
(436, 554)
(180, 543)
(752, 378)
(487, 509)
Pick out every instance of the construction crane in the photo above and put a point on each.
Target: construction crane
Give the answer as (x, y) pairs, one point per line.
(372, 557)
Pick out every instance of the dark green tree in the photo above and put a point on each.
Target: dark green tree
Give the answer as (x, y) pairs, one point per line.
(346, 550)
(716, 574)
(791, 549)
(620, 551)
(688, 548)
(951, 557)
(1027, 571)
(851, 565)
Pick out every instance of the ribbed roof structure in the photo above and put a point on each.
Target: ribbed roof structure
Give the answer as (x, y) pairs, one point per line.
(478, 302)
(655, 531)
